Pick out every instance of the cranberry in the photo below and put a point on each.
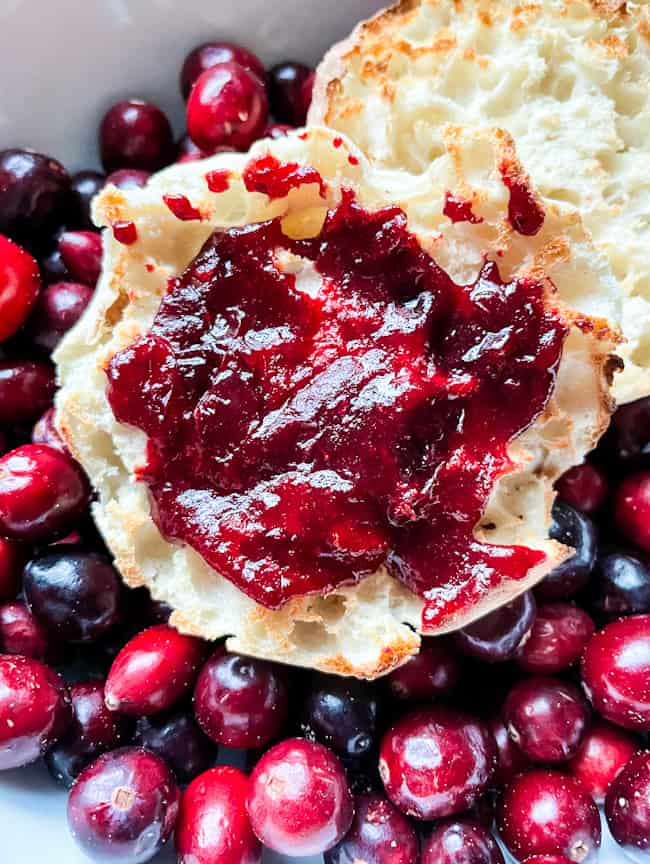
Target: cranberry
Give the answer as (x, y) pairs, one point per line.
(228, 105)
(34, 709)
(433, 671)
(461, 842)
(544, 812)
(211, 54)
(19, 286)
(342, 714)
(42, 493)
(135, 134)
(583, 487)
(178, 740)
(85, 185)
(213, 824)
(34, 194)
(510, 759)
(495, 637)
(290, 86)
(437, 762)
(187, 151)
(632, 509)
(153, 670)
(629, 433)
(619, 586)
(603, 752)
(26, 390)
(576, 530)
(52, 267)
(58, 308)
(558, 637)
(45, 432)
(547, 859)
(278, 130)
(616, 672)
(123, 806)
(240, 701)
(11, 563)
(128, 178)
(82, 255)
(21, 633)
(627, 807)
(379, 834)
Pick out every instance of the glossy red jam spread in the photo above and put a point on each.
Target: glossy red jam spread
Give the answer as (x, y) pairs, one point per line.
(303, 432)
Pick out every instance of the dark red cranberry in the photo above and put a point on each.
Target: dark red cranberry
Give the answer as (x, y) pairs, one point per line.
(299, 801)
(123, 807)
(616, 672)
(620, 586)
(227, 106)
(546, 718)
(12, 558)
(213, 824)
(85, 185)
(58, 308)
(42, 493)
(603, 752)
(128, 178)
(278, 130)
(240, 701)
(52, 267)
(544, 812)
(290, 86)
(45, 432)
(510, 759)
(574, 529)
(178, 740)
(82, 255)
(461, 842)
(74, 593)
(557, 639)
(435, 670)
(379, 834)
(342, 714)
(21, 633)
(632, 509)
(34, 194)
(629, 433)
(135, 134)
(495, 637)
(153, 670)
(211, 54)
(34, 710)
(20, 284)
(627, 807)
(26, 390)
(436, 763)
(583, 487)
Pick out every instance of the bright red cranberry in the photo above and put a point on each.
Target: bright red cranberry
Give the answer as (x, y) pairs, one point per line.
(620, 585)
(436, 763)
(546, 718)
(574, 529)
(632, 509)
(227, 106)
(495, 637)
(20, 284)
(128, 178)
(299, 801)
(34, 710)
(342, 714)
(34, 194)
(85, 185)
(42, 493)
(213, 824)
(82, 254)
(21, 633)
(12, 558)
(627, 807)
(74, 593)
(240, 701)
(583, 487)
(58, 308)
(123, 807)
(153, 670)
(603, 752)
(45, 432)
(135, 134)
(211, 54)
(557, 639)
(379, 834)
(510, 759)
(178, 740)
(629, 433)
(544, 812)
(290, 86)
(278, 130)
(547, 859)
(433, 671)
(461, 842)
(26, 390)
(616, 672)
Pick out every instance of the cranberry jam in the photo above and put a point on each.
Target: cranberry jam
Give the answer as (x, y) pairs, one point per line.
(299, 437)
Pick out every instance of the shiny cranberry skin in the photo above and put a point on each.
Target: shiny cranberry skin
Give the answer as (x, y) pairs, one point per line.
(52, 267)
(42, 493)
(574, 529)
(227, 106)
(26, 390)
(379, 834)
(547, 859)
(627, 807)
(178, 740)
(629, 433)
(495, 637)
(620, 585)
(240, 701)
(12, 558)
(602, 754)
(82, 255)
(21, 633)
(290, 86)
(74, 593)
(510, 759)
(123, 807)
(299, 802)
(544, 812)
(20, 284)
(34, 710)
(213, 825)
(128, 178)
(583, 487)
(433, 671)
(436, 762)
(632, 509)
(135, 134)
(461, 842)
(616, 672)
(45, 432)
(85, 185)
(34, 194)
(557, 639)
(211, 54)
(153, 670)
(342, 714)
(58, 308)
(546, 718)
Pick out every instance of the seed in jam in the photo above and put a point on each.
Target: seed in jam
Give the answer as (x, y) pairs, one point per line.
(276, 179)
(218, 180)
(459, 210)
(125, 232)
(525, 213)
(182, 208)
